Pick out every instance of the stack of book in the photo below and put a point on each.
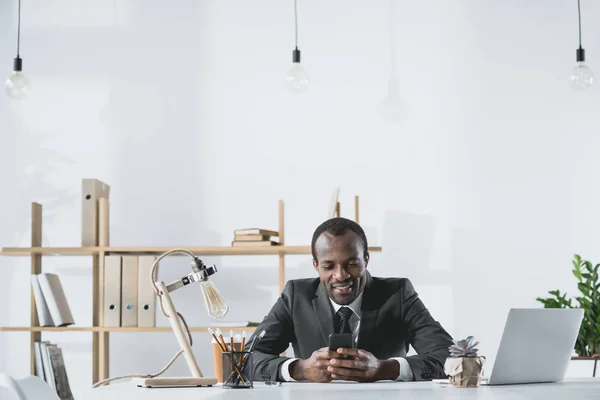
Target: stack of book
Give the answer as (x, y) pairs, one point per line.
(50, 366)
(254, 237)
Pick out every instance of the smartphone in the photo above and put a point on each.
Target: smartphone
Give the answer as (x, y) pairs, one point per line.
(337, 340)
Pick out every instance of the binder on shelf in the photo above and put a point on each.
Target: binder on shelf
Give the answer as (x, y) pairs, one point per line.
(55, 299)
(146, 295)
(129, 291)
(103, 222)
(91, 191)
(43, 312)
(112, 291)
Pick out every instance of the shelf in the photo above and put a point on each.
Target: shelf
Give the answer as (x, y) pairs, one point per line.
(46, 329)
(206, 251)
(116, 329)
(168, 329)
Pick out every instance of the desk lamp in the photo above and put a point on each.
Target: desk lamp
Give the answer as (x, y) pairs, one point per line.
(215, 308)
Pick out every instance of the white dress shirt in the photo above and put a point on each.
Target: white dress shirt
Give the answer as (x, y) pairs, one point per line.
(405, 371)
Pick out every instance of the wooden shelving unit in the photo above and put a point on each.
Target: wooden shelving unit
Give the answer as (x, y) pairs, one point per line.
(101, 334)
(112, 329)
(200, 251)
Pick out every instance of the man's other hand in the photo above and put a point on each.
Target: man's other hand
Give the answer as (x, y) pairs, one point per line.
(363, 367)
(314, 368)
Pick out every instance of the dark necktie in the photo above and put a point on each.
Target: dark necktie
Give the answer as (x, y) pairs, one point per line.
(341, 320)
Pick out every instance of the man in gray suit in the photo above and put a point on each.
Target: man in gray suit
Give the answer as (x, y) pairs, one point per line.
(385, 316)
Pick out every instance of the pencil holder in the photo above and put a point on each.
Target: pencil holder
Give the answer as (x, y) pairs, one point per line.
(236, 365)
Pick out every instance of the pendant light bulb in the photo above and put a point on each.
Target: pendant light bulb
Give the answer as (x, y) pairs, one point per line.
(392, 109)
(17, 86)
(296, 80)
(582, 76)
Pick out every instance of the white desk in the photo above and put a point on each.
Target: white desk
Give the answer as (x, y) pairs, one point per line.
(579, 389)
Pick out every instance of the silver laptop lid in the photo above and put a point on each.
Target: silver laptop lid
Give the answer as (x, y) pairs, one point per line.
(536, 345)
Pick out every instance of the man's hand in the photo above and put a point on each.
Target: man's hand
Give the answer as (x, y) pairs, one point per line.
(314, 368)
(363, 367)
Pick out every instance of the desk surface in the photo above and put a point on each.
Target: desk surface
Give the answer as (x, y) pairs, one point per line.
(569, 389)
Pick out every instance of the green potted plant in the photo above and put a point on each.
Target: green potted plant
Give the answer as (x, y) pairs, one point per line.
(588, 340)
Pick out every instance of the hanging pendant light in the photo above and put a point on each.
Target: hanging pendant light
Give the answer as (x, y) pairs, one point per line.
(582, 75)
(392, 108)
(17, 86)
(296, 80)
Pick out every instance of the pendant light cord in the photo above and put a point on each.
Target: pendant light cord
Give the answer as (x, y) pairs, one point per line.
(296, 20)
(392, 39)
(19, 31)
(579, 13)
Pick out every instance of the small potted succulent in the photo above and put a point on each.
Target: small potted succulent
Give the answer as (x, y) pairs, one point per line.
(464, 366)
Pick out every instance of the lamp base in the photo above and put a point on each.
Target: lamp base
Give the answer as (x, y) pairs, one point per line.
(184, 381)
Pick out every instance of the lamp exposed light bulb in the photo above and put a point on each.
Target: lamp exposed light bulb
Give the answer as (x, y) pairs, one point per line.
(215, 304)
(582, 76)
(296, 80)
(17, 86)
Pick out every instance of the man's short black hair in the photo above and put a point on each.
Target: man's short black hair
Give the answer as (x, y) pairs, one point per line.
(338, 226)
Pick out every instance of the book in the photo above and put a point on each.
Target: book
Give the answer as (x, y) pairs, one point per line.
(61, 380)
(55, 299)
(39, 360)
(233, 324)
(251, 238)
(43, 312)
(255, 244)
(50, 366)
(47, 364)
(256, 231)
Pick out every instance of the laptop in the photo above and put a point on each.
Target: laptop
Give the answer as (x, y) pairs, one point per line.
(536, 346)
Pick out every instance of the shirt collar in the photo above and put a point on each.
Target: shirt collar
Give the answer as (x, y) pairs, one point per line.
(355, 306)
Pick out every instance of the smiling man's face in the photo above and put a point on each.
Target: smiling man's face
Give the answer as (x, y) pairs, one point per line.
(341, 264)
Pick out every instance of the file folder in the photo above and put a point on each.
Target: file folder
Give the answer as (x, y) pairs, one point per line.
(91, 191)
(112, 291)
(129, 286)
(146, 295)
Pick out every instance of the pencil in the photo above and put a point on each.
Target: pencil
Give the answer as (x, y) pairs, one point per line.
(216, 339)
(243, 340)
(244, 360)
(256, 339)
(221, 337)
(223, 347)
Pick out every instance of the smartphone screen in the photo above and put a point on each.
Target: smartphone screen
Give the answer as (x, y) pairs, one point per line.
(344, 340)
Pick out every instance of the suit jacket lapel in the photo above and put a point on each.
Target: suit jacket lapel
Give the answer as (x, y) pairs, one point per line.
(324, 312)
(369, 310)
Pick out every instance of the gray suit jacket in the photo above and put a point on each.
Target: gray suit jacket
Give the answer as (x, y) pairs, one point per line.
(393, 317)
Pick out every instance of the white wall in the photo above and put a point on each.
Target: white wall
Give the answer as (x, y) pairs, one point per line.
(480, 195)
